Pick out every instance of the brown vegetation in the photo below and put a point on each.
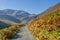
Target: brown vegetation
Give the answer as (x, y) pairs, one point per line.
(9, 32)
(46, 27)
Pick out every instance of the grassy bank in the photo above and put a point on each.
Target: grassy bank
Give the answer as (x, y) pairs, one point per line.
(46, 27)
(10, 32)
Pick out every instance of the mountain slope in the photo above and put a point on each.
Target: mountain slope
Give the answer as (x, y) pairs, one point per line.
(51, 9)
(47, 25)
(17, 16)
(3, 25)
(10, 18)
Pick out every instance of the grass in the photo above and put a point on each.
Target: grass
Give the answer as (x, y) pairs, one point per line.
(46, 27)
(10, 32)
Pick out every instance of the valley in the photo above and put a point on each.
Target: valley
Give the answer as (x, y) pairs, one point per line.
(21, 25)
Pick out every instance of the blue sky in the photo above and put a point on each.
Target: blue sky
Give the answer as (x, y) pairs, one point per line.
(31, 6)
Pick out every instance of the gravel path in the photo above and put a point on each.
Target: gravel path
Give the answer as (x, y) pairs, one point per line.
(24, 34)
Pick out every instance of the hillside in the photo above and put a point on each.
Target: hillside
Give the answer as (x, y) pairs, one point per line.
(51, 9)
(47, 25)
(10, 32)
(10, 18)
(3, 25)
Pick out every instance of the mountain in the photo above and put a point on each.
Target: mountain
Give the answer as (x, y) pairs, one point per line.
(16, 16)
(6, 12)
(47, 25)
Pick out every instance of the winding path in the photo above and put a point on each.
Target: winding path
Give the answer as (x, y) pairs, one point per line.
(24, 34)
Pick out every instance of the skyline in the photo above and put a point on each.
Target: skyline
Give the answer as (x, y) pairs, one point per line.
(30, 6)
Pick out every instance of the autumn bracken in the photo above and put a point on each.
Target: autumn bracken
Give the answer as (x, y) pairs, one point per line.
(46, 27)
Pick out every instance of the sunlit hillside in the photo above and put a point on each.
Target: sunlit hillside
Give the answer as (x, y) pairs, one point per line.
(9, 32)
(46, 27)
